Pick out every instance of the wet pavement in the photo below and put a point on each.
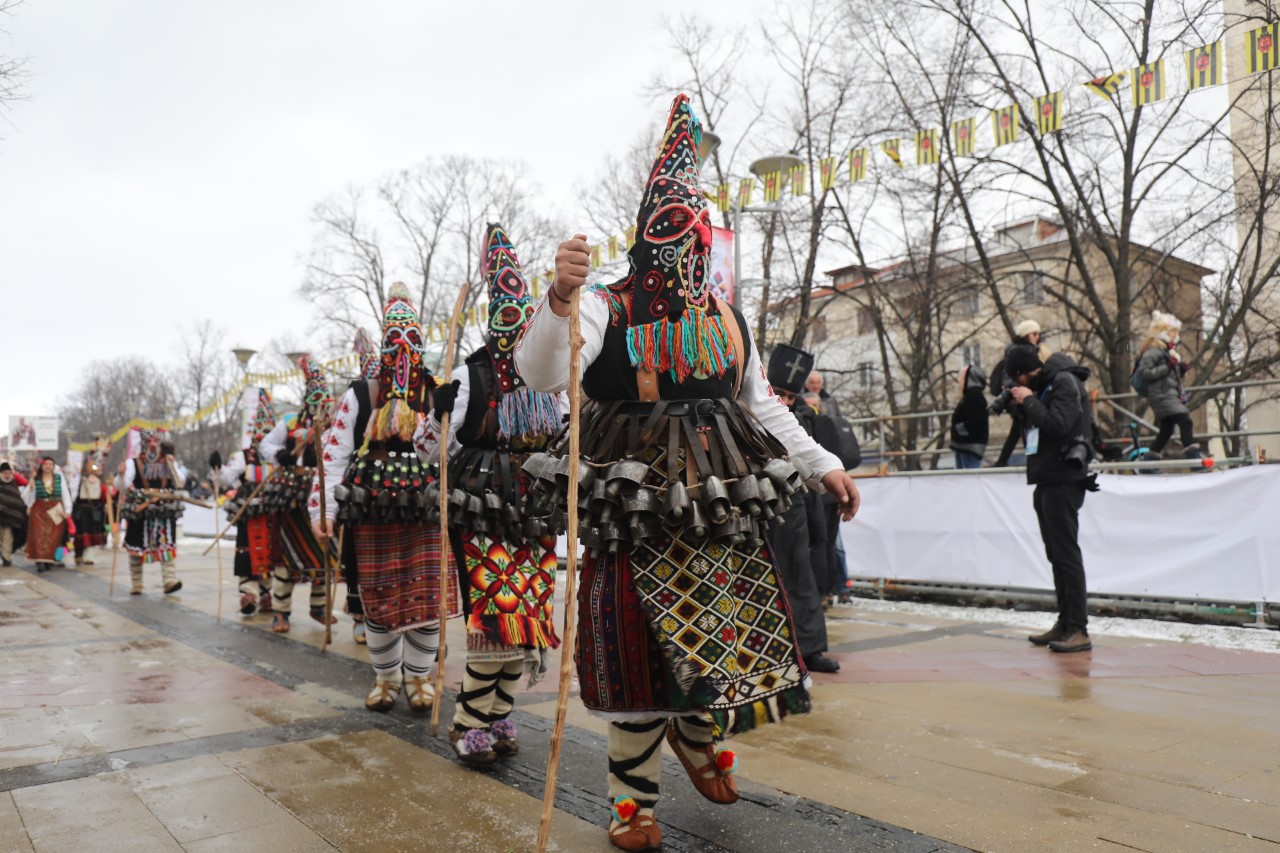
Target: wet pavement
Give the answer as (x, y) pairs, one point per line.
(143, 723)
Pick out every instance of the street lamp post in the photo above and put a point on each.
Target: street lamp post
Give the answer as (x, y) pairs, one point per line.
(774, 163)
(243, 355)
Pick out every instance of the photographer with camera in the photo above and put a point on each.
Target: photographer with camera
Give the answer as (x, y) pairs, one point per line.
(1026, 333)
(1050, 399)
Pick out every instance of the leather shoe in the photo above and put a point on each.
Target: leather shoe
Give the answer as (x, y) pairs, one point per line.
(639, 834)
(1078, 641)
(1057, 632)
(818, 662)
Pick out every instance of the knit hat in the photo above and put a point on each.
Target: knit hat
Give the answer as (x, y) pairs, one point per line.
(1021, 359)
(1162, 324)
(522, 412)
(1025, 328)
(5, 466)
(665, 297)
(789, 368)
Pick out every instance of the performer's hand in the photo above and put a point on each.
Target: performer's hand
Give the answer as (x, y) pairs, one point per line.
(323, 529)
(443, 398)
(573, 264)
(841, 486)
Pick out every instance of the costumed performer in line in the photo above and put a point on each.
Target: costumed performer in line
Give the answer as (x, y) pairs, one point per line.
(298, 555)
(506, 559)
(685, 631)
(48, 494)
(151, 532)
(89, 512)
(244, 472)
(377, 487)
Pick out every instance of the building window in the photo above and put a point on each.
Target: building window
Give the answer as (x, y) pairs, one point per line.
(971, 354)
(865, 324)
(969, 304)
(1033, 288)
(818, 330)
(866, 374)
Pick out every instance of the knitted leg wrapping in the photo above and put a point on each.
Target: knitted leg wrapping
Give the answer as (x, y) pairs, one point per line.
(420, 647)
(635, 761)
(282, 589)
(479, 690)
(385, 651)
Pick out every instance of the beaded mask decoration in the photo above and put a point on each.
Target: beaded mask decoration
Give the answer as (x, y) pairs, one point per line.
(370, 365)
(522, 412)
(402, 380)
(317, 400)
(665, 296)
(259, 417)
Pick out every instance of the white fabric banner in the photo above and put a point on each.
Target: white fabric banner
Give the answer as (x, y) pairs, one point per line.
(1213, 535)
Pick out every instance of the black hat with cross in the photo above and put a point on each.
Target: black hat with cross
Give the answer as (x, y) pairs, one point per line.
(789, 368)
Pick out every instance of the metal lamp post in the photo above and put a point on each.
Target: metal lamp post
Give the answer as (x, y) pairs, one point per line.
(774, 163)
(243, 355)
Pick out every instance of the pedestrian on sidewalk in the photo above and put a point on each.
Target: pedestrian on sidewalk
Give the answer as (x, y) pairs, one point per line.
(506, 560)
(377, 487)
(48, 494)
(1051, 398)
(676, 396)
(13, 513)
(969, 422)
(1161, 369)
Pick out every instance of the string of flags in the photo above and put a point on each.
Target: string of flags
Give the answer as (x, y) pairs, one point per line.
(1148, 83)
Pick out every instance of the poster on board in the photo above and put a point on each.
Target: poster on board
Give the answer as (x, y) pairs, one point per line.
(720, 267)
(32, 432)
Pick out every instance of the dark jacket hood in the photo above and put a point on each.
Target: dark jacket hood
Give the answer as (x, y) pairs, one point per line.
(1060, 362)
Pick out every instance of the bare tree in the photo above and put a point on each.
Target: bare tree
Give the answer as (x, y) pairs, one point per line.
(13, 70)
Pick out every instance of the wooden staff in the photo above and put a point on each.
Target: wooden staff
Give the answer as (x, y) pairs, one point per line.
(243, 507)
(331, 592)
(115, 550)
(443, 482)
(324, 545)
(217, 542)
(571, 569)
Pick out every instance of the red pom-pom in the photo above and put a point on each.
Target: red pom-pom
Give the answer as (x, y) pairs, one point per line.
(624, 808)
(493, 404)
(726, 761)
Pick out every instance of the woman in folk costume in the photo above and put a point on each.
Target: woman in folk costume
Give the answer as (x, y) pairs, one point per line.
(255, 530)
(89, 512)
(377, 487)
(298, 554)
(48, 494)
(152, 532)
(506, 560)
(685, 632)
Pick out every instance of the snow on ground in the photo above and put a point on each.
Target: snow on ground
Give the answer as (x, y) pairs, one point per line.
(1216, 636)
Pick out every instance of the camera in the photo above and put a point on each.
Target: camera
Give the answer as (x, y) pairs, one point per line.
(1001, 404)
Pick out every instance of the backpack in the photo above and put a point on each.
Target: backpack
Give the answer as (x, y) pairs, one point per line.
(847, 446)
(1137, 381)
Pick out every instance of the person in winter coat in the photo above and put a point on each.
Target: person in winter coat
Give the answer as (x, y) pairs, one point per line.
(13, 513)
(1026, 333)
(969, 427)
(1051, 397)
(1162, 369)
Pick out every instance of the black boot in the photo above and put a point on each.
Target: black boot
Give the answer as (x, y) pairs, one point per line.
(1057, 632)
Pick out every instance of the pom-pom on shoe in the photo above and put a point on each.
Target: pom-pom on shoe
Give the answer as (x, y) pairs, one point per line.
(504, 738)
(712, 782)
(473, 747)
(631, 831)
(248, 604)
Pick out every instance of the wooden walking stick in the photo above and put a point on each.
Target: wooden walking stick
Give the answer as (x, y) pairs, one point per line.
(217, 540)
(243, 507)
(571, 569)
(330, 592)
(443, 481)
(324, 546)
(115, 538)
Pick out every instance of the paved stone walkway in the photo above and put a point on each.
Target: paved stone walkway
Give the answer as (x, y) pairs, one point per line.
(143, 723)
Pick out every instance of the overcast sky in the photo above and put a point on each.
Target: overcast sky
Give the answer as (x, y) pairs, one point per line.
(166, 161)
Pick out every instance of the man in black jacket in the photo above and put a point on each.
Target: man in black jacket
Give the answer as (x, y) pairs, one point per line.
(1051, 396)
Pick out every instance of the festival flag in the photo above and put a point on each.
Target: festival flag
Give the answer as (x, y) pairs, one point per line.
(800, 179)
(827, 169)
(1049, 113)
(1004, 124)
(1148, 83)
(772, 187)
(1263, 47)
(613, 247)
(722, 198)
(927, 147)
(962, 137)
(746, 187)
(551, 279)
(595, 257)
(1204, 66)
(1105, 87)
(631, 236)
(535, 284)
(892, 150)
(857, 165)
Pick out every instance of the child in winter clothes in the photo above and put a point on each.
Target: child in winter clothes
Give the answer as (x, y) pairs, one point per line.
(1162, 370)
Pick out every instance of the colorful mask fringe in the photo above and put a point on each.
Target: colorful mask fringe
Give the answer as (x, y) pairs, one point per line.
(402, 381)
(666, 296)
(370, 364)
(522, 412)
(317, 401)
